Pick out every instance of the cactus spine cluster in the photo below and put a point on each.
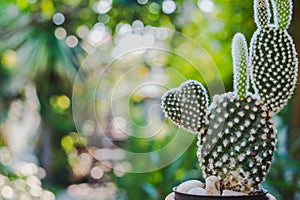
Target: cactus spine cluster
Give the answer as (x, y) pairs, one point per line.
(236, 134)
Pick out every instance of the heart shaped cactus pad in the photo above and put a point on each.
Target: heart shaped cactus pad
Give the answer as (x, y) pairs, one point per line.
(186, 106)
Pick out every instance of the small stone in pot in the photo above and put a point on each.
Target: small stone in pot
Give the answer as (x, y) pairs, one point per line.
(187, 185)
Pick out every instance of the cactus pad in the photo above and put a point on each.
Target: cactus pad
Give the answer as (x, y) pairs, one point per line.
(283, 12)
(238, 143)
(274, 61)
(261, 13)
(186, 106)
(274, 67)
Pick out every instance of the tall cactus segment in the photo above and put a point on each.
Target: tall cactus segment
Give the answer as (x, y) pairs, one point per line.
(240, 65)
(262, 13)
(274, 62)
(283, 13)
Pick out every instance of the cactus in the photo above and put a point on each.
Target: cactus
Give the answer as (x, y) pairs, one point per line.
(238, 144)
(186, 105)
(236, 134)
(274, 64)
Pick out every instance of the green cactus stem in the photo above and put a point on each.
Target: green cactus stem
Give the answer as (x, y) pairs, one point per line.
(262, 13)
(240, 65)
(274, 62)
(186, 106)
(238, 144)
(283, 13)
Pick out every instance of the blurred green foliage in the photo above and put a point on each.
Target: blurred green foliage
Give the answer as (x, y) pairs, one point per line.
(31, 50)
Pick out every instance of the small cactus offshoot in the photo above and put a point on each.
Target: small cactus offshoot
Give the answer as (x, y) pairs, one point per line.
(236, 134)
(186, 105)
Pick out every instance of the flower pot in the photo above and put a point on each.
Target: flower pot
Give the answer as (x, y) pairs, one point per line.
(184, 196)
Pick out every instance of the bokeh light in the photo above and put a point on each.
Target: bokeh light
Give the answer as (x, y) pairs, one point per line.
(2, 180)
(60, 33)
(82, 31)
(36, 190)
(97, 172)
(28, 169)
(7, 192)
(121, 168)
(168, 6)
(142, 2)
(103, 6)
(32, 180)
(97, 34)
(72, 41)
(104, 18)
(46, 195)
(20, 184)
(31, 1)
(88, 128)
(123, 28)
(9, 59)
(58, 18)
(154, 8)
(207, 6)
(137, 24)
(5, 156)
(60, 102)
(63, 102)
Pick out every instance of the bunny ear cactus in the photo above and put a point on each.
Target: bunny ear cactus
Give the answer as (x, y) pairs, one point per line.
(239, 140)
(236, 134)
(274, 63)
